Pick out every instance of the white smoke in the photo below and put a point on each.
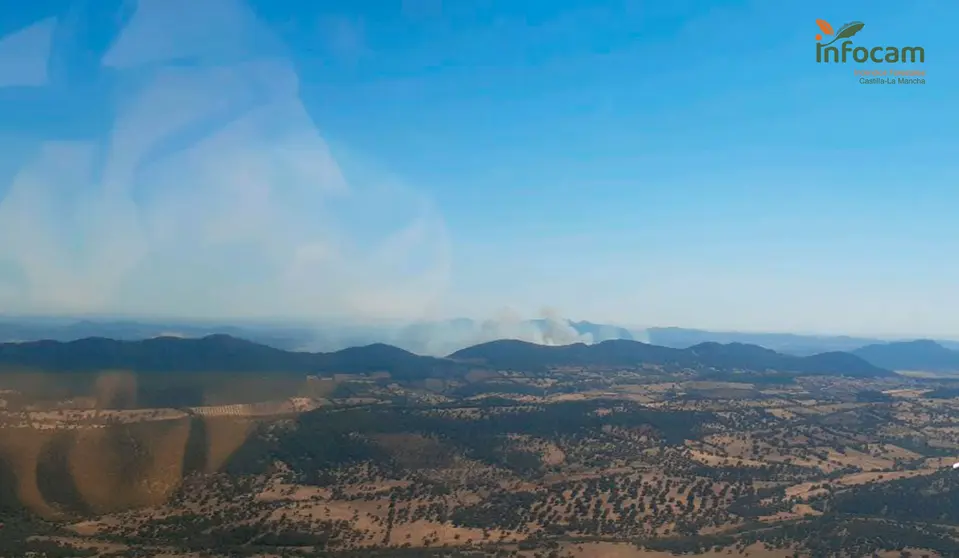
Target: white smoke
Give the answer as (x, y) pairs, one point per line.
(212, 195)
(558, 330)
(443, 338)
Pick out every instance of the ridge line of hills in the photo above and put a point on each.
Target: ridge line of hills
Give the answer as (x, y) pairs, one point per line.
(438, 338)
(225, 353)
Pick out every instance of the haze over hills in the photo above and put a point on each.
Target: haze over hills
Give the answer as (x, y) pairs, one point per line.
(449, 336)
(920, 355)
(426, 337)
(66, 329)
(223, 353)
(429, 337)
(784, 342)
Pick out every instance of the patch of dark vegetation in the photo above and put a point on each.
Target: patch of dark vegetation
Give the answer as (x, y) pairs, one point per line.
(331, 437)
(942, 392)
(923, 447)
(823, 537)
(931, 498)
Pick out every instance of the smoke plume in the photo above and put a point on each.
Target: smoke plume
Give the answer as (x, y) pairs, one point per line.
(442, 338)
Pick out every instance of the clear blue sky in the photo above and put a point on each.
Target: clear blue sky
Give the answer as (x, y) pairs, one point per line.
(651, 163)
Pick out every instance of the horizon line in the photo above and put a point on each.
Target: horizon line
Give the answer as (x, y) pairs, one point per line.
(280, 322)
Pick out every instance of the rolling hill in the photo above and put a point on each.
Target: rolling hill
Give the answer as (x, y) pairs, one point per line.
(216, 353)
(226, 354)
(520, 355)
(921, 355)
(789, 343)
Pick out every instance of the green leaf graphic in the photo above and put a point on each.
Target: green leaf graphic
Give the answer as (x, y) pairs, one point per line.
(850, 29)
(846, 31)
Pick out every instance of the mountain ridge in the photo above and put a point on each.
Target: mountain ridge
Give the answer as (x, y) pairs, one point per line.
(215, 353)
(735, 356)
(225, 353)
(433, 338)
(923, 355)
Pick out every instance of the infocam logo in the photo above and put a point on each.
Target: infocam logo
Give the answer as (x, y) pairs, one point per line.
(825, 53)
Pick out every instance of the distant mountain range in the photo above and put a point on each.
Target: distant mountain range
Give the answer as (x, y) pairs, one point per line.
(216, 353)
(223, 353)
(37, 329)
(521, 355)
(783, 342)
(921, 355)
(446, 337)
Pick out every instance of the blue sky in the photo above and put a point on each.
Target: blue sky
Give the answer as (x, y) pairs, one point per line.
(648, 163)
